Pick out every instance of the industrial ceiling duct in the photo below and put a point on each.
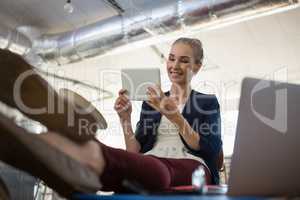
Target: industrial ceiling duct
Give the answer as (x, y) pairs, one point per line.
(181, 16)
(14, 41)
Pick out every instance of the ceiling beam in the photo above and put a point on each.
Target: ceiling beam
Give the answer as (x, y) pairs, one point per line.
(115, 5)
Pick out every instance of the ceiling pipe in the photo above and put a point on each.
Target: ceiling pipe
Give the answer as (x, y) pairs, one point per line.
(130, 27)
(14, 41)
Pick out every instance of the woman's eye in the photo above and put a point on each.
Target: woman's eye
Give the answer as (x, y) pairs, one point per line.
(171, 59)
(185, 61)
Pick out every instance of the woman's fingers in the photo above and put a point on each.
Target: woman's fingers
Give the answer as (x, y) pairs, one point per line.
(153, 93)
(122, 103)
(122, 96)
(155, 89)
(153, 98)
(123, 99)
(122, 92)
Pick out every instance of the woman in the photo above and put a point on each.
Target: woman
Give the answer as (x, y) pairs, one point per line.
(181, 123)
(55, 157)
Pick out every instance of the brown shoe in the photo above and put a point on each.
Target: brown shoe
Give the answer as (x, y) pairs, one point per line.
(29, 153)
(84, 105)
(21, 87)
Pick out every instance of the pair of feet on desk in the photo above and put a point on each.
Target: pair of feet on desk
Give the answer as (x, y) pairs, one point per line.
(67, 158)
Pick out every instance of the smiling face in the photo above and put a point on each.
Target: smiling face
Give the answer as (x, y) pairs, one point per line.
(181, 64)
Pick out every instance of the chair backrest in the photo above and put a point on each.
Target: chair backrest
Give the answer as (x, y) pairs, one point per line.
(220, 160)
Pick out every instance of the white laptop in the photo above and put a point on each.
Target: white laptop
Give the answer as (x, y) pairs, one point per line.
(136, 81)
(266, 158)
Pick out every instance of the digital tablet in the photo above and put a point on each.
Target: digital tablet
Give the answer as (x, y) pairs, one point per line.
(136, 81)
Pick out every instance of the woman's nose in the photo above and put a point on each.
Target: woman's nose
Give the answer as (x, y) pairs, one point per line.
(176, 64)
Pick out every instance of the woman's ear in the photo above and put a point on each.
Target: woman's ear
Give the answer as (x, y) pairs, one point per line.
(196, 68)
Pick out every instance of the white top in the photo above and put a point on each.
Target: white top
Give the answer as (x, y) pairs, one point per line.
(169, 144)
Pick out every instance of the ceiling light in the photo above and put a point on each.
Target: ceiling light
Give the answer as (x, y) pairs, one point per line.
(68, 7)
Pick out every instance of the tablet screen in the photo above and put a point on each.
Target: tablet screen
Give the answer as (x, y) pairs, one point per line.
(136, 81)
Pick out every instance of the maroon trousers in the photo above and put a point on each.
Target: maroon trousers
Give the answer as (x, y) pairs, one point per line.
(153, 173)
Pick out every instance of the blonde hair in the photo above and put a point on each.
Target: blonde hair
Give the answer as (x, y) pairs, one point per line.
(196, 46)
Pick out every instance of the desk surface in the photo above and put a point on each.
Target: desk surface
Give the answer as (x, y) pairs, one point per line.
(165, 197)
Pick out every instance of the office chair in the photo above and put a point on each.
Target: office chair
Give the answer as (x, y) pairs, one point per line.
(221, 165)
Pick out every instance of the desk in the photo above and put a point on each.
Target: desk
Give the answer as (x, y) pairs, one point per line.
(165, 197)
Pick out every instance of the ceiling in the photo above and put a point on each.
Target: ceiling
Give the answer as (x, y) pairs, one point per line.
(50, 17)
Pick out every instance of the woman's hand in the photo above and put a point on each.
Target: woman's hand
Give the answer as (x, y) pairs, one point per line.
(165, 105)
(123, 106)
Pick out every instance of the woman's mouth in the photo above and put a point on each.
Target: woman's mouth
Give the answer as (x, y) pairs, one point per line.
(175, 73)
